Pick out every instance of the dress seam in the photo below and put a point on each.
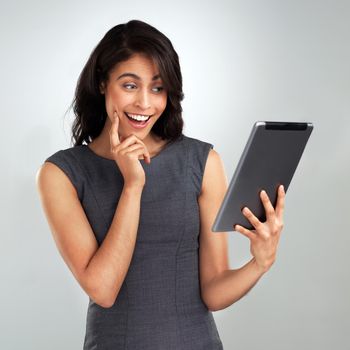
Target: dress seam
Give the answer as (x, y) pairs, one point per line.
(179, 243)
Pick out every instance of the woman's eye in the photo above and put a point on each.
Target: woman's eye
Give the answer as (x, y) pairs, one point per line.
(127, 85)
(131, 86)
(160, 88)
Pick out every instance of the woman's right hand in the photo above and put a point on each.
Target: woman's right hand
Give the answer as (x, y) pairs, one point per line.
(126, 154)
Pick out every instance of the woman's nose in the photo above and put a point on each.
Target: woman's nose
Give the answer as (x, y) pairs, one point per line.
(143, 99)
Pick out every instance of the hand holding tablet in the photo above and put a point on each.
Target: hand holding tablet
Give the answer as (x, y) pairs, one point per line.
(264, 239)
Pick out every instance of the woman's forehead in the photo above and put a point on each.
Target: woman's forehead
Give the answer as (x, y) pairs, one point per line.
(137, 67)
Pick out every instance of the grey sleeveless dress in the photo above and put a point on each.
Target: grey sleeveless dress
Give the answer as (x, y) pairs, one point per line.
(159, 306)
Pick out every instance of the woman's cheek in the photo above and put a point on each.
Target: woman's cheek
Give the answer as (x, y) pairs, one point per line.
(111, 106)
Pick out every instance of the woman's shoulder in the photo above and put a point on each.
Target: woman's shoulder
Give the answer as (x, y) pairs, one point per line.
(66, 153)
(68, 161)
(196, 141)
(198, 146)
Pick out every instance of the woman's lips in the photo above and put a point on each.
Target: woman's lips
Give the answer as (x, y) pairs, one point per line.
(137, 125)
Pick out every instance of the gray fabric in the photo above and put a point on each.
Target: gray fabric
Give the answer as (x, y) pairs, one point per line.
(159, 306)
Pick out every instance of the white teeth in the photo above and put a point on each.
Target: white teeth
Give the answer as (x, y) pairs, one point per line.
(138, 117)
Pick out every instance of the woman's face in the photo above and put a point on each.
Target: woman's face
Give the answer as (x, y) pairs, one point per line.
(134, 87)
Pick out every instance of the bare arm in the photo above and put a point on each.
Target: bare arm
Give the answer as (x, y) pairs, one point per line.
(109, 265)
(100, 271)
(221, 286)
(231, 285)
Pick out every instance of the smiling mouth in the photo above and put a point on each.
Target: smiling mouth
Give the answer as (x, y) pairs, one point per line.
(143, 120)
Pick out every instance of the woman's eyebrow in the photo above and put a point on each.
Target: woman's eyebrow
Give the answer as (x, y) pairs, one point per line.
(133, 75)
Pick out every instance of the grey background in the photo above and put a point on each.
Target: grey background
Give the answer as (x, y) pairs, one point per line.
(241, 61)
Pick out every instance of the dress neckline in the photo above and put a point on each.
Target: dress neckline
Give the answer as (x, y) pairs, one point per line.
(166, 147)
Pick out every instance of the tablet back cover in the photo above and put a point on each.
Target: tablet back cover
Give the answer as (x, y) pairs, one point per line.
(269, 159)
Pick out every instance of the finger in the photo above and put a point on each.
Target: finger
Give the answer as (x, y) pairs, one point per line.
(251, 217)
(147, 159)
(146, 154)
(114, 135)
(131, 148)
(280, 202)
(139, 152)
(135, 146)
(270, 211)
(132, 139)
(244, 231)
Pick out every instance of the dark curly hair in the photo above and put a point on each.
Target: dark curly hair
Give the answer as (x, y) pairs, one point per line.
(119, 44)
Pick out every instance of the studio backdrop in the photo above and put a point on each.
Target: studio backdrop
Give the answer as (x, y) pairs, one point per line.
(241, 61)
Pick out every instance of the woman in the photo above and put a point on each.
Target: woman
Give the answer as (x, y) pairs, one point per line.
(131, 210)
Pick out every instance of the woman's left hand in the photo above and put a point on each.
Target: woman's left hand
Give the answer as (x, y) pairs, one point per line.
(264, 239)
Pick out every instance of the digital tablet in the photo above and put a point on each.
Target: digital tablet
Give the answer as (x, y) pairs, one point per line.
(269, 159)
